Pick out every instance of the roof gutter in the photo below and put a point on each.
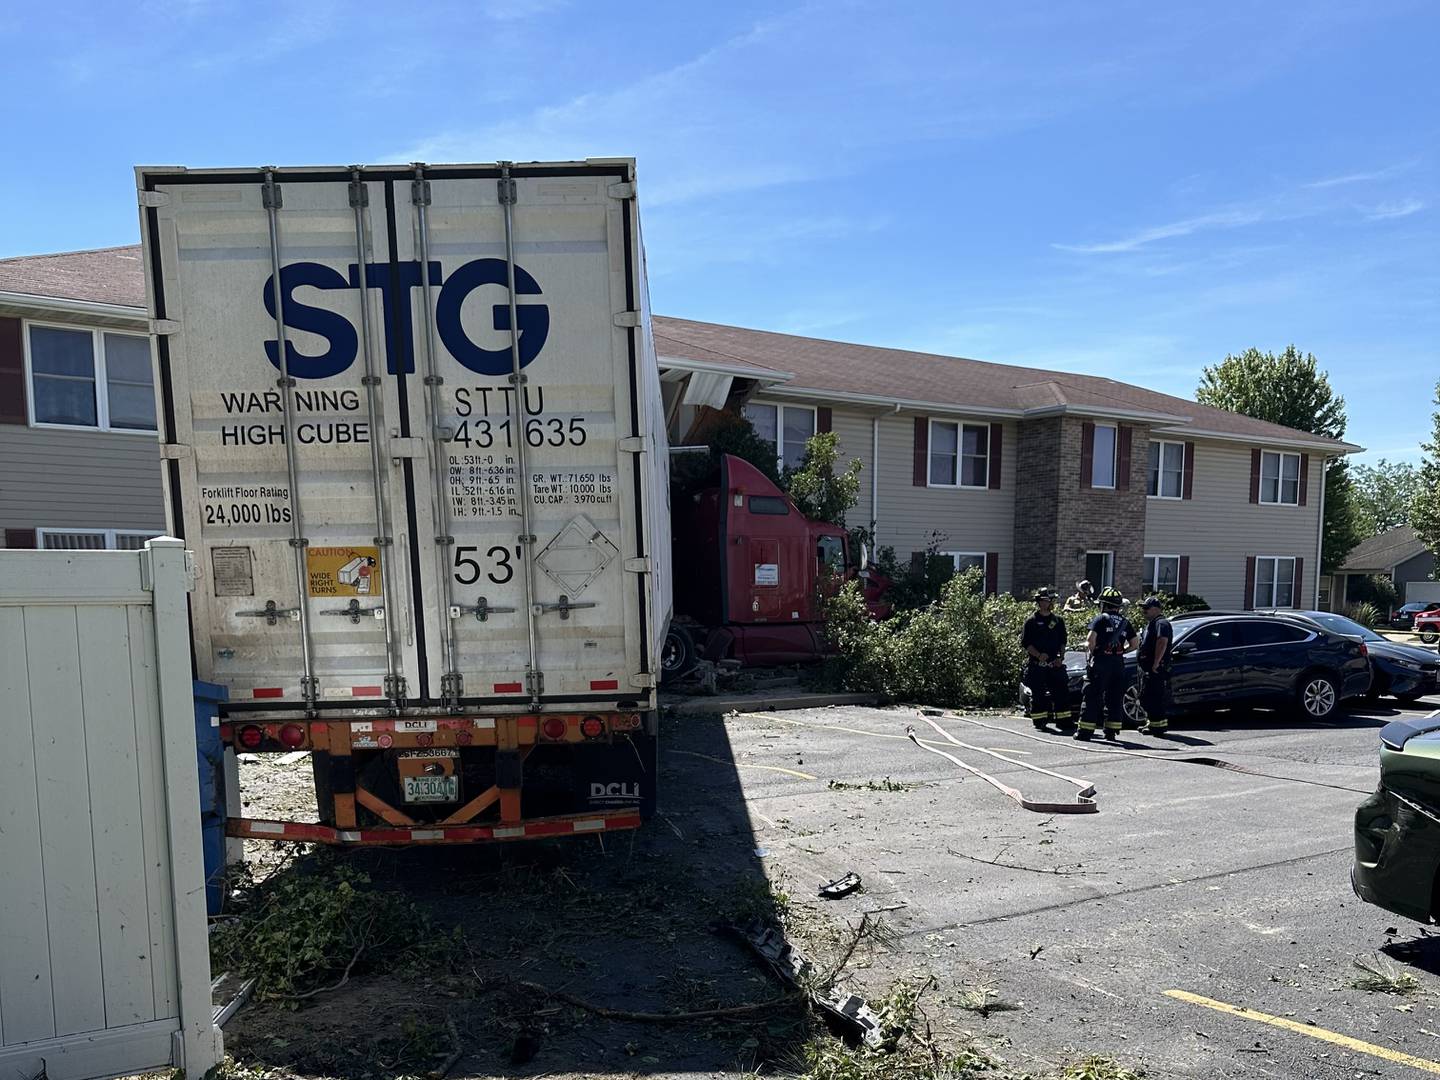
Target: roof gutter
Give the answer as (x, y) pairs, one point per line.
(71, 306)
(1329, 447)
(743, 371)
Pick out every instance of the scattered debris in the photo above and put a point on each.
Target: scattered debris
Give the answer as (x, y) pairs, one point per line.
(871, 785)
(1383, 977)
(984, 1000)
(1059, 871)
(841, 886)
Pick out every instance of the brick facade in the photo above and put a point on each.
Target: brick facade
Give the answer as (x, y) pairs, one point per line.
(1057, 520)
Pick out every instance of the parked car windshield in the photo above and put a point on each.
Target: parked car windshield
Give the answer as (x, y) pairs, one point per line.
(1339, 624)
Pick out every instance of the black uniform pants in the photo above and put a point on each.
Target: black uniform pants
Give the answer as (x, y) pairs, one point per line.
(1104, 694)
(1049, 690)
(1155, 699)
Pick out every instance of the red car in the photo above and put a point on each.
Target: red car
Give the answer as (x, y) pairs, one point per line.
(1428, 627)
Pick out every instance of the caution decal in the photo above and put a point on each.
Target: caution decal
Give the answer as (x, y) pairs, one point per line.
(344, 571)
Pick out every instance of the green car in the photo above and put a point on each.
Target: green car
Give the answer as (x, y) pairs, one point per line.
(1397, 829)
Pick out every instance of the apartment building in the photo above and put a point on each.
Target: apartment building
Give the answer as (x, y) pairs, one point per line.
(1038, 477)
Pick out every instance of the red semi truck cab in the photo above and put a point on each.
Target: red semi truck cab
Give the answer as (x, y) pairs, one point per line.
(752, 574)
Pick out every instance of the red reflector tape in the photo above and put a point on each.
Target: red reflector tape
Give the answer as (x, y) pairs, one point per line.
(367, 691)
(455, 834)
(268, 691)
(509, 688)
(604, 684)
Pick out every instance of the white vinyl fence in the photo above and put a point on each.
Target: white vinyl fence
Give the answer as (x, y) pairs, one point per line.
(104, 965)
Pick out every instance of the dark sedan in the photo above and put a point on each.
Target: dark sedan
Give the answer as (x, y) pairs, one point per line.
(1403, 618)
(1406, 672)
(1226, 660)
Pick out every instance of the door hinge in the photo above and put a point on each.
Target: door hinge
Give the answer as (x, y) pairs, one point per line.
(164, 326)
(407, 447)
(154, 198)
(643, 679)
(627, 318)
(634, 444)
(622, 191)
(638, 566)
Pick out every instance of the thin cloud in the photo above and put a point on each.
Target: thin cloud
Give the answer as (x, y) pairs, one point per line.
(1354, 178)
(1396, 208)
(1228, 219)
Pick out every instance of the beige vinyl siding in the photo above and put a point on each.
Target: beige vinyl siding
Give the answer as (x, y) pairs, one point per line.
(971, 519)
(853, 428)
(59, 479)
(1220, 527)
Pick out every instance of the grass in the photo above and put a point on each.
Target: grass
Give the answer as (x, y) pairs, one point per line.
(1383, 977)
(1099, 1068)
(872, 785)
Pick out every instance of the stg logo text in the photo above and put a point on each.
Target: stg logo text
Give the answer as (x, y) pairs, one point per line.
(392, 287)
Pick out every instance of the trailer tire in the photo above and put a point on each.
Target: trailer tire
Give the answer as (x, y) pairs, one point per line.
(678, 655)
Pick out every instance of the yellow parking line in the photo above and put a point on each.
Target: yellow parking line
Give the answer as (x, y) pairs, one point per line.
(747, 765)
(1359, 1046)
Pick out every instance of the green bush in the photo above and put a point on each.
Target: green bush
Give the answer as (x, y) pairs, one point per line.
(1365, 613)
(963, 650)
(1376, 590)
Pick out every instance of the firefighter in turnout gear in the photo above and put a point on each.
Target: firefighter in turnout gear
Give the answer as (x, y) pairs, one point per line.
(1043, 640)
(1154, 666)
(1110, 636)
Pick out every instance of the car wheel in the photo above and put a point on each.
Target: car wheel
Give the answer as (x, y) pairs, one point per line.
(677, 655)
(1134, 711)
(1318, 696)
(1430, 637)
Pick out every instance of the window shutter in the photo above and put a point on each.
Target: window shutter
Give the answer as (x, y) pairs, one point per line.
(1087, 454)
(12, 374)
(1250, 583)
(992, 572)
(1304, 478)
(921, 477)
(20, 538)
(823, 419)
(1255, 475)
(1296, 597)
(1183, 583)
(1188, 490)
(997, 443)
(1123, 435)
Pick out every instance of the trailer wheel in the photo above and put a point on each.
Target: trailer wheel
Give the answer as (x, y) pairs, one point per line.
(678, 655)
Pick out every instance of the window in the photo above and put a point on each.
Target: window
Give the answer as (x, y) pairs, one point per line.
(1100, 568)
(90, 378)
(1265, 632)
(789, 427)
(830, 554)
(1102, 467)
(1274, 582)
(1213, 637)
(1167, 470)
(959, 455)
(1162, 574)
(92, 539)
(772, 505)
(966, 560)
(1280, 478)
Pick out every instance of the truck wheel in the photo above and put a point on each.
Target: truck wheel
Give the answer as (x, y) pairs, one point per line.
(678, 655)
(1317, 696)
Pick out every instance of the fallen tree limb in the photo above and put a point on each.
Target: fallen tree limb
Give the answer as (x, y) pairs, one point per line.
(1015, 866)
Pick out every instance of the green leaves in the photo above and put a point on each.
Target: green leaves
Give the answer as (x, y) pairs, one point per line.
(819, 492)
(1288, 389)
(1425, 509)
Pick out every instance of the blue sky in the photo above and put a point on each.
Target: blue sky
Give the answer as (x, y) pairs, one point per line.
(1114, 188)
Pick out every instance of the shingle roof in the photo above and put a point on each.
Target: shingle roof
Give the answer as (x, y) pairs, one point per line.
(871, 371)
(112, 275)
(1380, 553)
(116, 276)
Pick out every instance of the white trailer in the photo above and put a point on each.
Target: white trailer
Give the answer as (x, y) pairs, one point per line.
(413, 432)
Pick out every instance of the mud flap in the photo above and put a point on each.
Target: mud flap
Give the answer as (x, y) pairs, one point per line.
(623, 775)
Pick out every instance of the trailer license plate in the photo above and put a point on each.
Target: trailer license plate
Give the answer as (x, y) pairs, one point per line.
(428, 789)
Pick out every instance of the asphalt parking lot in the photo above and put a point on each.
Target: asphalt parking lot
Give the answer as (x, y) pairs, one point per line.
(1196, 891)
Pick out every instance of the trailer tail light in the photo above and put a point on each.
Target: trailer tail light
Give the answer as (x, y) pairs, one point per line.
(625, 722)
(292, 736)
(592, 727)
(251, 737)
(553, 728)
